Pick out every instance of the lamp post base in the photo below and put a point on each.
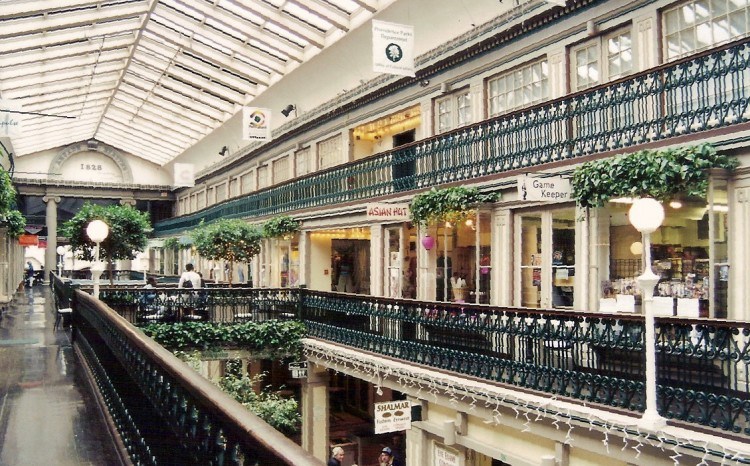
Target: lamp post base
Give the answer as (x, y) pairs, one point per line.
(652, 420)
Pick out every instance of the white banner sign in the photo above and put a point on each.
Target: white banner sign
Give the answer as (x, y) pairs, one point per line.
(551, 189)
(184, 175)
(256, 124)
(298, 369)
(445, 456)
(381, 211)
(392, 416)
(392, 48)
(10, 122)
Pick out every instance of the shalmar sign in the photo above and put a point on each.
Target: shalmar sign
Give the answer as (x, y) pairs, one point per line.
(538, 188)
(392, 416)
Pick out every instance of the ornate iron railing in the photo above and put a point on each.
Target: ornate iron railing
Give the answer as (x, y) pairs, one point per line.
(697, 94)
(703, 366)
(165, 412)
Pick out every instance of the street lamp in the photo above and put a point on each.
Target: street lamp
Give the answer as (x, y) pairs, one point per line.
(60, 252)
(646, 215)
(97, 232)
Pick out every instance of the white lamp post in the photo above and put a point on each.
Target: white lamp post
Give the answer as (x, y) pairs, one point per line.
(646, 215)
(97, 232)
(60, 252)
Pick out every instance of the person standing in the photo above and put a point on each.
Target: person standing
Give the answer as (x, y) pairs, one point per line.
(29, 273)
(337, 456)
(189, 278)
(386, 458)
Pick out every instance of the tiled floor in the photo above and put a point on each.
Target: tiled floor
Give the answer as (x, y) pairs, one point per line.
(47, 414)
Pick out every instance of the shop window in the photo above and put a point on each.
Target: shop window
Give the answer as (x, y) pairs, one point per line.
(452, 111)
(280, 170)
(463, 267)
(697, 25)
(263, 181)
(221, 192)
(518, 88)
(247, 184)
(301, 164)
(601, 59)
(330, 152)
(545, 275)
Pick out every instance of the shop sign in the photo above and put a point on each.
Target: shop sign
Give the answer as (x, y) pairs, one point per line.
(549, 189)
(299, 369)
(28, 240)
(445, 456)
(392, 416)
(382, 211)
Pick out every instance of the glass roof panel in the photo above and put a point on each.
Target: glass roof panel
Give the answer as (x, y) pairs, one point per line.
(151, 77)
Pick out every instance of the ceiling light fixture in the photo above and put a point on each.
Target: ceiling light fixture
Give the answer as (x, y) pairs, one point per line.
(224, 150)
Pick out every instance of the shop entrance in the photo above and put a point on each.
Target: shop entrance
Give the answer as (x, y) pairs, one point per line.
(350, 265)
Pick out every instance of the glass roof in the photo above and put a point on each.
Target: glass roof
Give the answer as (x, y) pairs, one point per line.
(153, 76)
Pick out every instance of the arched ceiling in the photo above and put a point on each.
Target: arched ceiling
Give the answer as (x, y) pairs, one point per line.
(154, 76)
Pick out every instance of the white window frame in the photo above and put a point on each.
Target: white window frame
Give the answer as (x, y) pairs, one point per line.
(302, 162)
(330, 152)
(453, 111)
(600, 44)
(525, 89)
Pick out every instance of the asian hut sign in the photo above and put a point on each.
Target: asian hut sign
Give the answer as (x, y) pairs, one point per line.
(390, 212)
(549, 189)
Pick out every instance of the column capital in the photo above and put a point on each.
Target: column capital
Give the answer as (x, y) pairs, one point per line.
(55, 199)
(127, 202)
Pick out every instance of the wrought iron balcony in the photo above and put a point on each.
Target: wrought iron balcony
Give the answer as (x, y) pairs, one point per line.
(703, 366)
(694, 95)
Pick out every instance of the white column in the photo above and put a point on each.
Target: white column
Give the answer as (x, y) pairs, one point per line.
(377, 262)
(315, 412)
(50, 254)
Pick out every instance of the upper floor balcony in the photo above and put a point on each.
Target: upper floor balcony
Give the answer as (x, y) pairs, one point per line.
(702, 96)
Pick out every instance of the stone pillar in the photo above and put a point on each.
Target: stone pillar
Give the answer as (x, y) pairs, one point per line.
(416, 438)
(127, 264)
(315, 411)
(378, 280)
(50, 254)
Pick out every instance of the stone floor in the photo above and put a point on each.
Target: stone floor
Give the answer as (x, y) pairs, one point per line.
(48, 416)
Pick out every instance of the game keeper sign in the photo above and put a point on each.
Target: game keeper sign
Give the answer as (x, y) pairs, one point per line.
(392, 416)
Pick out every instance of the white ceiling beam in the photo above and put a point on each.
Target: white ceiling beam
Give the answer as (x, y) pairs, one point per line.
(275, 16)
(52, 54)
(65, 36)
(53, 66)
(82, 72)
(159, 92)
(207, 53)
(70, 19)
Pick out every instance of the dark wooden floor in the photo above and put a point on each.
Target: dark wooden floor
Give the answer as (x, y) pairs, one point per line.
(48, 416)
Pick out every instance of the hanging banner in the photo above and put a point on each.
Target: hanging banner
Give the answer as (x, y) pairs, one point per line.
(392, 48)
(256, 124)
(184, 176)
(550, 189)
(10, 122)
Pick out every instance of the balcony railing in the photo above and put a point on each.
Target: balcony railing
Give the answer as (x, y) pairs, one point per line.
(694, 95)
(164, 411)
(703, 366)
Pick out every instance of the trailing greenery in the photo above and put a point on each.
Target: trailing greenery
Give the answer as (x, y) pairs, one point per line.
(279, 412)
(660, 174)
(447, 205)
(15, 222)
(227, 239)
(172, 244)
(7, 192)
(279, 338)
(128, 230)
(280, 226)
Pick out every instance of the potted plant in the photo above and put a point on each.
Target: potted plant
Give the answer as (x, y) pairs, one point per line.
(280, 227)
(661, 174)
(232, 240)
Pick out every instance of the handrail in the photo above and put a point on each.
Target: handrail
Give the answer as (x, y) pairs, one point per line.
(692, 95)
(213, 427)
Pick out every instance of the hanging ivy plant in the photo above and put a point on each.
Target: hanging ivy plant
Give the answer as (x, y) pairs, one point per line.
(452, 204)
(660, 174)
(280, 226)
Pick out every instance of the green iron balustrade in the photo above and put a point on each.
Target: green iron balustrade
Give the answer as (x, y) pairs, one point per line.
(165, 412)
(703, 366)
(689, 96)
